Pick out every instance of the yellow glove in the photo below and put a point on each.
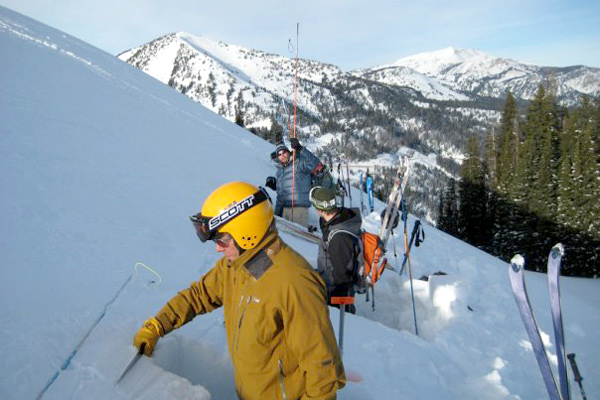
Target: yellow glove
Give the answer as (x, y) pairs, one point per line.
(148, 335)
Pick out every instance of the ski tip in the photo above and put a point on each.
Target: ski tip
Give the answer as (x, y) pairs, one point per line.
(517, 263)
(558, 250)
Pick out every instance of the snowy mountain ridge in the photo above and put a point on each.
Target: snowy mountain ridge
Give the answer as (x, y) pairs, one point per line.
(222, 77)
(403, 76)
(431, 102)
(448, 74)
(476, 73)
(437, 62)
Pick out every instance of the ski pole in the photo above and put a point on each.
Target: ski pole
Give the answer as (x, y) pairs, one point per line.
(360, 192)
(412, 296)
(348, 180)
(406, 244)
(407, 258)
(295, 117)
(577, 375)
(342, 301)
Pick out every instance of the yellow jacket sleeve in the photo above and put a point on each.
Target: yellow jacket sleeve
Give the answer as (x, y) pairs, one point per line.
(201, 297)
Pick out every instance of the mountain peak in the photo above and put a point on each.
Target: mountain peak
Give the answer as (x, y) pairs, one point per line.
(455, 53)
(447, 57)
(452, 64)
(200, 41)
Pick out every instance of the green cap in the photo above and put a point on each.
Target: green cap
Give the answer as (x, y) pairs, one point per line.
(322, 198)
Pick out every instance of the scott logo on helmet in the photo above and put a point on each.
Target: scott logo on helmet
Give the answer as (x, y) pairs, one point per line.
(232, 212)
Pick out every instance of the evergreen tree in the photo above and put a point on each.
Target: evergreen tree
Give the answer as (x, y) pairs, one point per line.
(580, 175)
(211, 87)
(566, 188)
(578, 190)
(239, 117)
(595, 145)
(491, 159)
(510, 141)
(473, 225)
(590, 177)
(448, 212)
(442, 220)
(275, 132)
(596, 134)
(451, 208)
(504, 211)
(542, 128)
(543, 187)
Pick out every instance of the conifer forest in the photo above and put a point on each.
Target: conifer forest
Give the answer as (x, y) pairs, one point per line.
(533, 183)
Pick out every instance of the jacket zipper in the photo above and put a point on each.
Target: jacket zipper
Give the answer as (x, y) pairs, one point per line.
(239, 326)
(281, 382)
(236, 333)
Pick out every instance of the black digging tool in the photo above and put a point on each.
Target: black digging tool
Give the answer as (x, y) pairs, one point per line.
(578, 377)
(132, 363)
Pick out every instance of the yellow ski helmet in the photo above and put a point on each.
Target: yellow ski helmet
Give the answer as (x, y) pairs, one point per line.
(238, 208)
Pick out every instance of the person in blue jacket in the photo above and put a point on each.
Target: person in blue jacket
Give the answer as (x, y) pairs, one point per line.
(370, 190)
(295, 171)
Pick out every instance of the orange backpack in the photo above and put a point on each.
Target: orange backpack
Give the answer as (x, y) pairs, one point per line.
(372, 252)
(370, 270)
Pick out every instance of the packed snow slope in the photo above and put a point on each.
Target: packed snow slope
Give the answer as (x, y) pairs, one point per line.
(100, 166)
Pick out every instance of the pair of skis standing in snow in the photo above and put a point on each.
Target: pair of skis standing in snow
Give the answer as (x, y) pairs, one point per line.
(517, 280)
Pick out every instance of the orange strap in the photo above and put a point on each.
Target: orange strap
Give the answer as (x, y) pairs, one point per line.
(342, 300)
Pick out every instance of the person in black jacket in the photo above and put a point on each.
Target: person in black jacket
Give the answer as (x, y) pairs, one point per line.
(339, 249)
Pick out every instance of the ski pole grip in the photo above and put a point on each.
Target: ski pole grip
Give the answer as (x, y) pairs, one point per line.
(571, 358)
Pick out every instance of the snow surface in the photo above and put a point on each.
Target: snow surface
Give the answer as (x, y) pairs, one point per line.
(100, 165)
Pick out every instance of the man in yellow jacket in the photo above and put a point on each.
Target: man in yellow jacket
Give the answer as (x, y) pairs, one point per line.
(280, 337)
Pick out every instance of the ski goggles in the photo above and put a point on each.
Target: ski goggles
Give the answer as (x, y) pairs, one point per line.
(207, 228)
(222, 239)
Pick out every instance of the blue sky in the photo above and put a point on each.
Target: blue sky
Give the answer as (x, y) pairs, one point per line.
(347, 33)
